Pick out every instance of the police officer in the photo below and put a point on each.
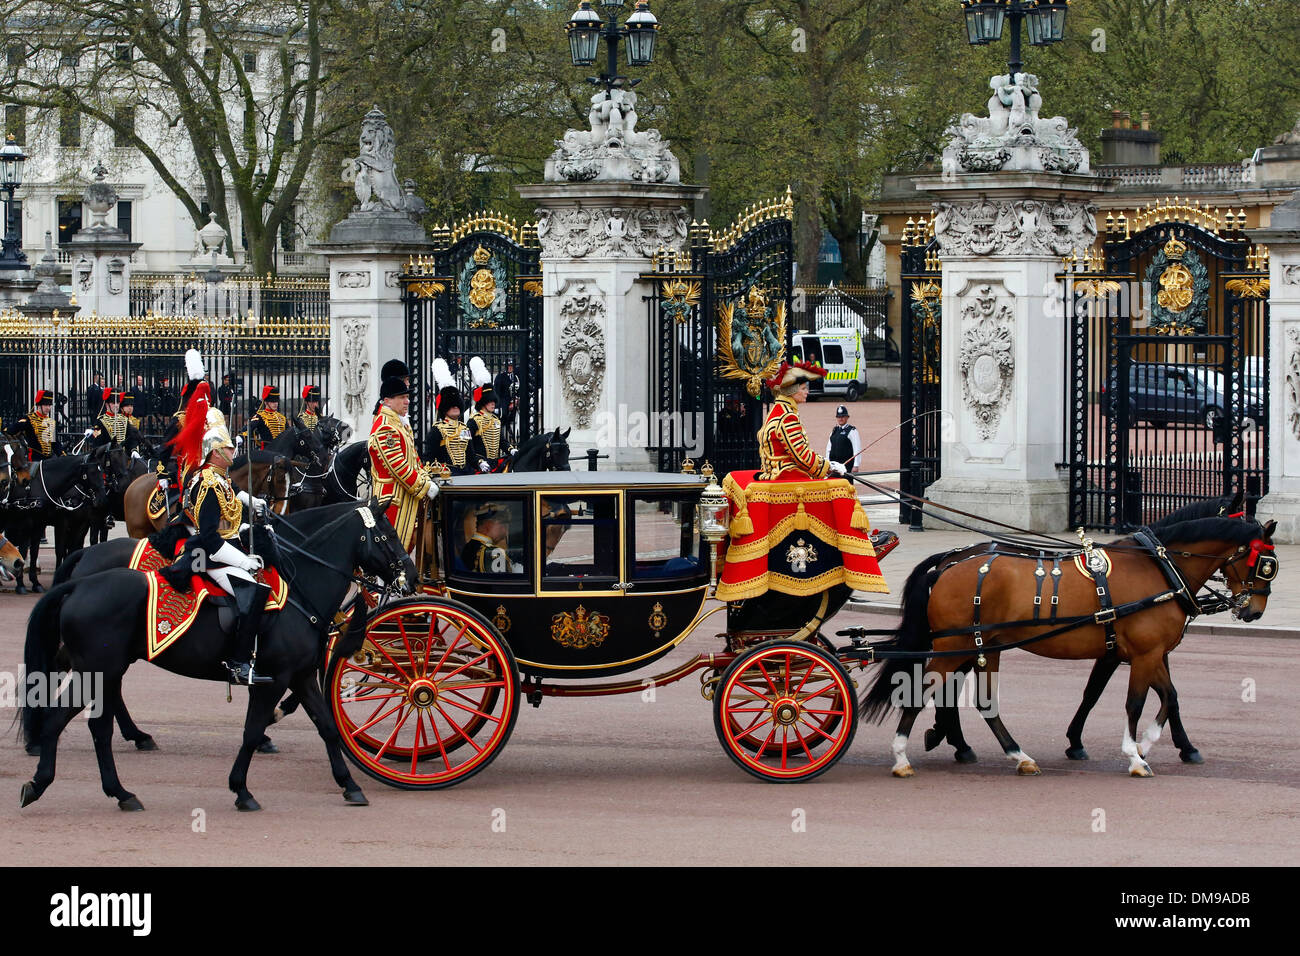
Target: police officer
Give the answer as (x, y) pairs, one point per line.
(268, 423)
(844, 444)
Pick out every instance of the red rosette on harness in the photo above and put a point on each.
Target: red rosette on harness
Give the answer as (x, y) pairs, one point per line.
(187, 445)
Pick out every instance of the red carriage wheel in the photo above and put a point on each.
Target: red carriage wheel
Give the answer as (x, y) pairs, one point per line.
(430, 699)
(785, 711)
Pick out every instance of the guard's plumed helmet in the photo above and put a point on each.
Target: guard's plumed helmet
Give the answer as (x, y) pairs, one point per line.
(215, 433)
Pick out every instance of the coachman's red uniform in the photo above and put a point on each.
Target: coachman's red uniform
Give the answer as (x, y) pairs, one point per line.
(396, 474)
(793, 529)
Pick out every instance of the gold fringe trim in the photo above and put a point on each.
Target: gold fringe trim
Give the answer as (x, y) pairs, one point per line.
(859, 520)
(790, 492)
(761, 547)
(800, 587)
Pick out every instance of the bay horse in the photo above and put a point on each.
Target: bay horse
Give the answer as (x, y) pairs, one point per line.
(947, 723)
(96, 625)
(1150, 590)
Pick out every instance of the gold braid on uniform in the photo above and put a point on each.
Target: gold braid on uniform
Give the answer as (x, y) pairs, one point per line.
(231, 510)
(135, 422)
(489, 429)
(275, 421)
(452, 436)
(43, 428)
(115, 425)
(308, 420)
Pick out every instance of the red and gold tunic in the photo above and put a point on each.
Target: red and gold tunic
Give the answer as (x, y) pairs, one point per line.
(793, 529)
(396, 474)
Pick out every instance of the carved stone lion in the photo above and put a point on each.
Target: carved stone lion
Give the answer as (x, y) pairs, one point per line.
(373, 173)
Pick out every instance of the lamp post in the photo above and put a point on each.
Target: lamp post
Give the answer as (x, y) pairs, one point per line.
(1045, 19)
(585, 31)
(12, 159)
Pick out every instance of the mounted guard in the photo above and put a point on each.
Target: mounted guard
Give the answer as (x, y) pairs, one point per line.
(114, 427)
(309, 415)
(797, 527)
(269, 421)
(216, 513)
(484, 425)
(37, 429)
(451, 441)
(399, 479)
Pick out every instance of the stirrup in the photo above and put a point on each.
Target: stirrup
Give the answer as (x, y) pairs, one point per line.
(241, 672)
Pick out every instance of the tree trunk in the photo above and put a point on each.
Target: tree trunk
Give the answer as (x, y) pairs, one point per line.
(807, 236)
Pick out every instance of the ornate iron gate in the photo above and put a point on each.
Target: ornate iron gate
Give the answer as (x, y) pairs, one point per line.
(1168, 366)
(719, 325)
(922, 421)
(480, 293)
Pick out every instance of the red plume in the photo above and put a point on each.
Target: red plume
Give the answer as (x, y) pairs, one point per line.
(107, 393)
(306, 389)
(266, 391)
(188, 442)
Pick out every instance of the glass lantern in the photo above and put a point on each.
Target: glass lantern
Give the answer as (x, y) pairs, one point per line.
(641, 29)
(584, 34)
(12, 159)
(713, 514)
(1046, 21)
(984, 19)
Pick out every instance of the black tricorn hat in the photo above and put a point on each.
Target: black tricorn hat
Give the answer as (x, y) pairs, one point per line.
(394, 368)
(393, 387)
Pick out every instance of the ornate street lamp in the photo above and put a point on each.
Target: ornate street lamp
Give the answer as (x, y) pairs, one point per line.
(1045, 18)
(585, 30)
(12, 160)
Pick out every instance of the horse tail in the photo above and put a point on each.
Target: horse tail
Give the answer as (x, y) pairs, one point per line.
(913, 634)
(63, 573)
(38, 654)
(351, 640)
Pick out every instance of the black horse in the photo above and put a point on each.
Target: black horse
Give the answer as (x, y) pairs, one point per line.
(543, 453)
(58, 491)
(270, 470)
(95, 625)
(120, 469)
(307, 485)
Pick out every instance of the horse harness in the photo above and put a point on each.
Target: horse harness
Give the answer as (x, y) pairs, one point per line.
(1263, 567)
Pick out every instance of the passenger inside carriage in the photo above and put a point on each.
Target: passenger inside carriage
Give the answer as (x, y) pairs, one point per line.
(487, 529)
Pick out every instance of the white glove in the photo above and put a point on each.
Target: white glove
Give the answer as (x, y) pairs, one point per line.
(90, 432)
(837, 468)
(256, 505)
(135, 454)
(229, 554)
(431, 491)
(484, 467)
(252, 562)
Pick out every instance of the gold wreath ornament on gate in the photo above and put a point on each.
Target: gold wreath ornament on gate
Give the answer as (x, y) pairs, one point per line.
(751, 340)
(483, 284)
(1176, 285)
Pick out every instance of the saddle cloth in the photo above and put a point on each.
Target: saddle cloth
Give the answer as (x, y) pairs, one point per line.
(170, 613)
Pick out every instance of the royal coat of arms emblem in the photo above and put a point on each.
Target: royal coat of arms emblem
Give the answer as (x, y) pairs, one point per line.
(580, 629)
(751, 339)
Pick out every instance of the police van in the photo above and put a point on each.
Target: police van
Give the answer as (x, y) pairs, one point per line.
(840, 352)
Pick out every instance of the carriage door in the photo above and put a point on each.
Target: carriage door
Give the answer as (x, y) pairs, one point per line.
(1168, 325)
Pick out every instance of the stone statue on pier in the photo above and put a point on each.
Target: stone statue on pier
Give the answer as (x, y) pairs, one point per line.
(1013, 136)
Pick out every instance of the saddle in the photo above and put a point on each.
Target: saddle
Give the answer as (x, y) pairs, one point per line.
(170, 612)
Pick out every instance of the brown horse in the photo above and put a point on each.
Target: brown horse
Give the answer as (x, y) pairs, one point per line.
(965, 606)
(266, 479)
(11, 562)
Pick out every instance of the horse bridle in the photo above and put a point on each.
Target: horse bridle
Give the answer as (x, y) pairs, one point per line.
(1262, 562)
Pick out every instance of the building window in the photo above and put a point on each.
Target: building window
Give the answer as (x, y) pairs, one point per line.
(250, 62)
(69, 218)
(124, 216)
(287, 133)
(124, 118)
(289, 230)
(211, 60)
(16, 124)
(69, 128)
(122, 52)
(16, 53)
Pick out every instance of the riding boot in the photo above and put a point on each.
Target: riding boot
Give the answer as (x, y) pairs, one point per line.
(250, 601)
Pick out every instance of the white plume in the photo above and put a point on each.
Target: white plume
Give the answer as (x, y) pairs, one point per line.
(194, 365)
(442, 374)
(478, 369)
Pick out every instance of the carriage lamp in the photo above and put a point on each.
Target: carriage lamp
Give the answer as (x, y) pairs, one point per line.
(712, 513)
(1045, 20)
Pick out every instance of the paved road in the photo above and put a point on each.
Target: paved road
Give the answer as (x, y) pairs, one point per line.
(625, 781)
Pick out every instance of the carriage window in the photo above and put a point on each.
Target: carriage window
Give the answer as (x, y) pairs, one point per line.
(579, 541)
(663, 543)
(488, 539)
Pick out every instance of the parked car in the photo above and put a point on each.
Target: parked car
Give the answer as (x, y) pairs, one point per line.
(1162, 394)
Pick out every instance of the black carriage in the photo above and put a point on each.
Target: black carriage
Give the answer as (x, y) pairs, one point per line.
(548, 584)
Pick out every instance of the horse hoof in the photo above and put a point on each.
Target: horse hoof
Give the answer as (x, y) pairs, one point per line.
(130, 804)
(267, 747)
(28, 795)
(965, 756)
(36, 588)
(1027, 768)
(1141, 770)
(20, 590)
(355, 798)
(1076, 753)
(933, 738)
(248, 805)
(1191, 756)
(903, 772)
